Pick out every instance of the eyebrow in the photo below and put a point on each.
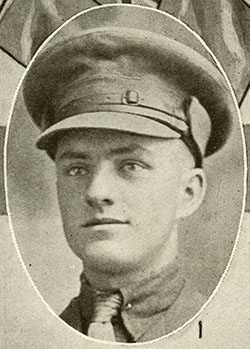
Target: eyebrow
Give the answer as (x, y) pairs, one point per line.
(127, 149)
(69, 154)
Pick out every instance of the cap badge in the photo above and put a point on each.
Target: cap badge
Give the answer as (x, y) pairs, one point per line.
(130, 97)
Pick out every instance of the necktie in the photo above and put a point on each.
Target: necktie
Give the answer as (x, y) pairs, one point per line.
(106, 306)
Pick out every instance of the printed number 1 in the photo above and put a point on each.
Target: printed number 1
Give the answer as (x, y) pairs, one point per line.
(200, 329)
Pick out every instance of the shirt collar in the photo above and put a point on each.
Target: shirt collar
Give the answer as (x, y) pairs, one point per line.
(142, 301)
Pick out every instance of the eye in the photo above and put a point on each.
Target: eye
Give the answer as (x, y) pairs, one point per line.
(77, 171)
(133, 167)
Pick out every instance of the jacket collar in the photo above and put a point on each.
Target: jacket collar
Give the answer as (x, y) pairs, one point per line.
(144, 301)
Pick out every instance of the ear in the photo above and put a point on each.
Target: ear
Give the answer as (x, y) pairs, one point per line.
(192, 191)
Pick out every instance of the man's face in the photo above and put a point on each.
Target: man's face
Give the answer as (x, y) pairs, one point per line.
(119, 196)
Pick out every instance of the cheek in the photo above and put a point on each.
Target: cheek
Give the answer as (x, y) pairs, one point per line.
(161, 194)
(64, 196)
(72, 214)
(154, 209)
(71, 202)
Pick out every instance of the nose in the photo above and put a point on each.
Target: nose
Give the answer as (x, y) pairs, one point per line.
(100, 191)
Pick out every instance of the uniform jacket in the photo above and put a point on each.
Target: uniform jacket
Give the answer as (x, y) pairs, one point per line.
(151, 309)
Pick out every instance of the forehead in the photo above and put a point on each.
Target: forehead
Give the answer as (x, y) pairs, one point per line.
(102, 141)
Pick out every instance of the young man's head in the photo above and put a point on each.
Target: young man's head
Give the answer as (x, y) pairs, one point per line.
(121, 196)
(116, 107)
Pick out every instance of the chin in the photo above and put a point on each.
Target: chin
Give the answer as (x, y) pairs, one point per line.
(107, 256)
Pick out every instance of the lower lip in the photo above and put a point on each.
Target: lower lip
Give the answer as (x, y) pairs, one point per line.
(106, 226)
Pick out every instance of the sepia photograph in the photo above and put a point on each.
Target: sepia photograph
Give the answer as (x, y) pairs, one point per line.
(129, 118)
(125, 169)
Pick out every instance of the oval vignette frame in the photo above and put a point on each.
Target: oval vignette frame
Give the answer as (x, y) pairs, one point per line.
(17, 196)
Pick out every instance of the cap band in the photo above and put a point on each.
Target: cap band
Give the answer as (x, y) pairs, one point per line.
(113, 103)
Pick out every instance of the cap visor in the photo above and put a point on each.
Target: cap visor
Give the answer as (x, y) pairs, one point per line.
(124, 122)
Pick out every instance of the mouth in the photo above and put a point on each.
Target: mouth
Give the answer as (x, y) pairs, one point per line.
(102, 221)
